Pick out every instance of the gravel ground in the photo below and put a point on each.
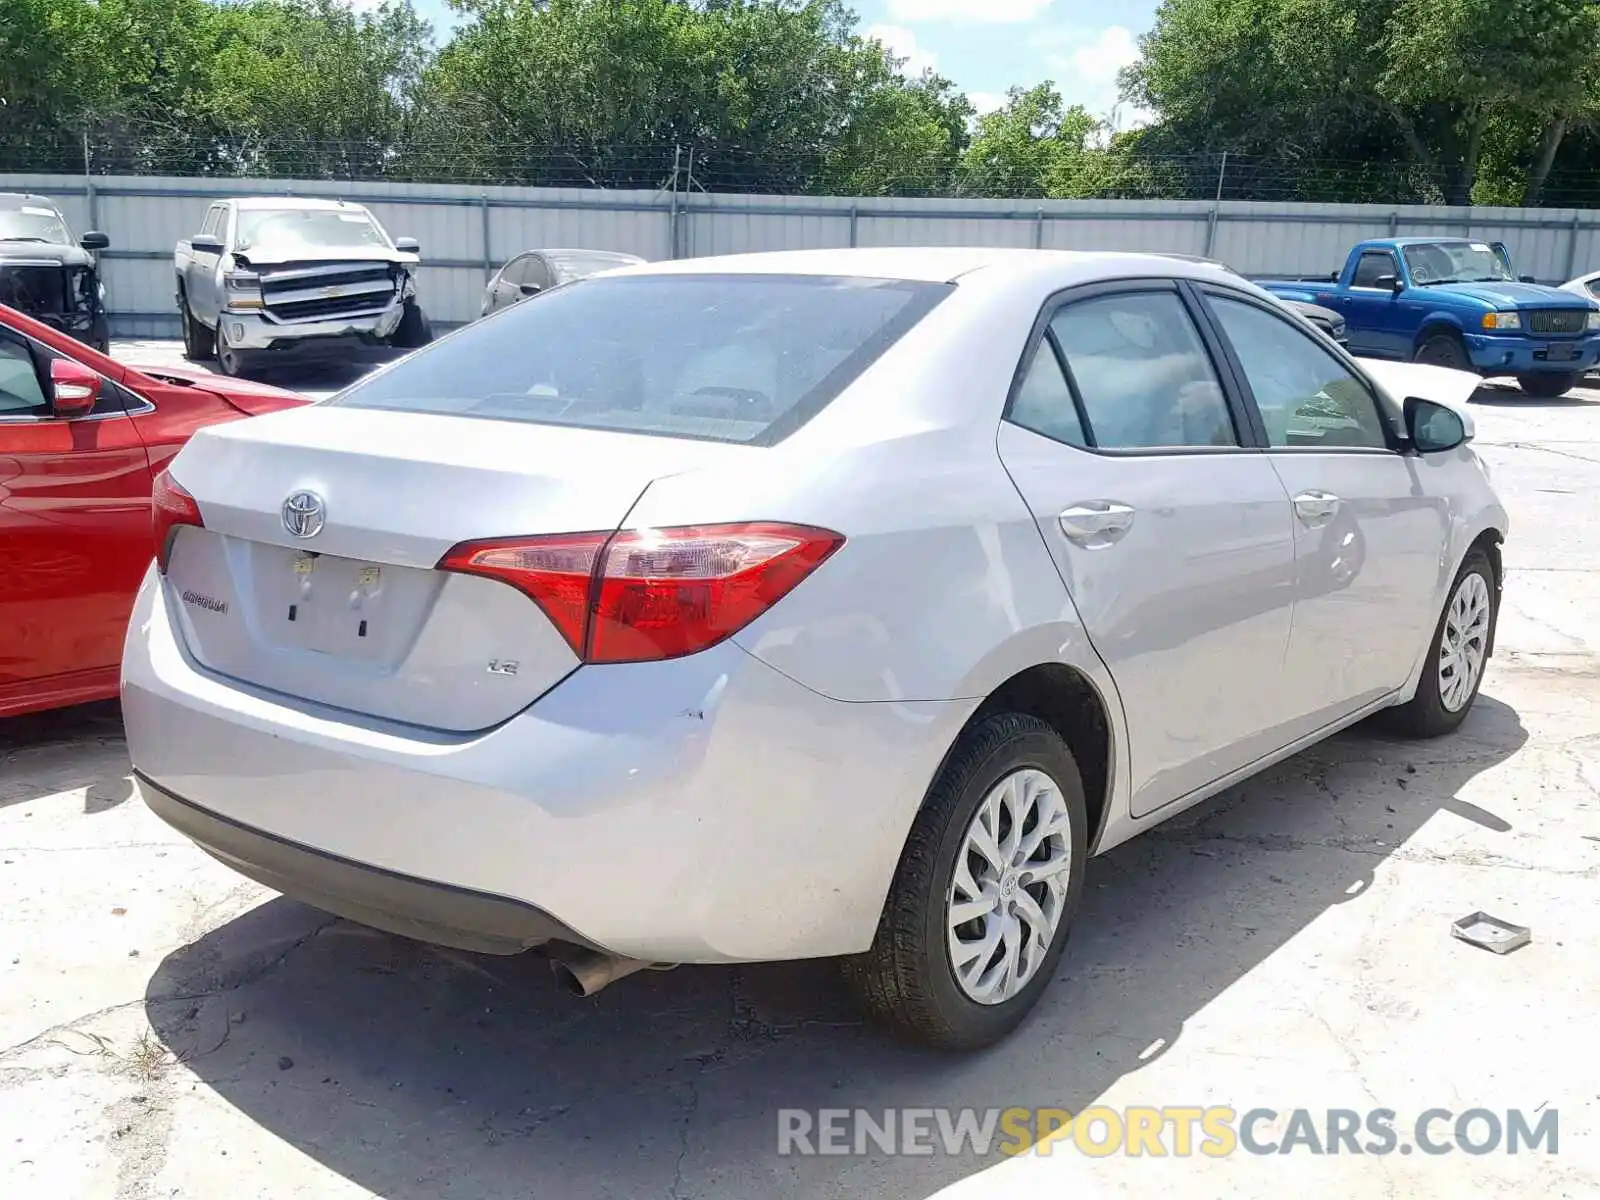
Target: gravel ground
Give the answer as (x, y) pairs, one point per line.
(167, 1029)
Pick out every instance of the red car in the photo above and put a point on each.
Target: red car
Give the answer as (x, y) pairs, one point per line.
(81, 440)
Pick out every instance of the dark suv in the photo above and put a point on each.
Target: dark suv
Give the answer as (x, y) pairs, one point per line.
(49, 275)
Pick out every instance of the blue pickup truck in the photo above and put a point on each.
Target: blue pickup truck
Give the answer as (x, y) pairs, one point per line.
(1457, 303)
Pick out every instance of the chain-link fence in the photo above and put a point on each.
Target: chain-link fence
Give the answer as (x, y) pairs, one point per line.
(145, 148)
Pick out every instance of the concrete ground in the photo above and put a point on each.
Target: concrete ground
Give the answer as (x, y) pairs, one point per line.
(167, 1029)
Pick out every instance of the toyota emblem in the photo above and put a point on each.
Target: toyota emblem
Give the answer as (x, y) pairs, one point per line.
(303, 514)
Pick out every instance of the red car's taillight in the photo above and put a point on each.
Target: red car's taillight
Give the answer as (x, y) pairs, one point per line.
(647, 594)
(170, 507)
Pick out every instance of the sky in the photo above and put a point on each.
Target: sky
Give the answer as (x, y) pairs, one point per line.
(986, 46)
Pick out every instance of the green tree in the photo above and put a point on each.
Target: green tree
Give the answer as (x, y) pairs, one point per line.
(775, 95)
(309, 88)
(1036, 145)
(1333, 90)
(296, 87)
(1453, 66)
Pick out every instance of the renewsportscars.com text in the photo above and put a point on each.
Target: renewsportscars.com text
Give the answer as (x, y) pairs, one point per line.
(1170, 1131)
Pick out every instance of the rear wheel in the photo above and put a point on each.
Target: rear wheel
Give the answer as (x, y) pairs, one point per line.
(1547, 385)
(199, 343)
(1443, 350)
(985, 893)
(1457, 657)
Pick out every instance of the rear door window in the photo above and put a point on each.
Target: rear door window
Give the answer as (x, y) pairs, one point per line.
(1142, 373)
(1372, 266)
(733, 358)
(1044, 402)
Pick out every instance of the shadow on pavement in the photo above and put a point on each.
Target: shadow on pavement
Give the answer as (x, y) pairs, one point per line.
(329, 373)
(1505, 396)
(415, 1073)
(66, 748)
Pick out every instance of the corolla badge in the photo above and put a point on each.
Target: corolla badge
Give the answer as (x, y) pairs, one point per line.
(303, 514)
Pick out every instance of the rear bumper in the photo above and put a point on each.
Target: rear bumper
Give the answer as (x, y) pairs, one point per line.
(1494, 355)
(251, 331)
(415, 908)
(707, 809)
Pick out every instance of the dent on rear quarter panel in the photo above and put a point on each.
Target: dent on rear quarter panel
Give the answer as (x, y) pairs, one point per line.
(939, 585)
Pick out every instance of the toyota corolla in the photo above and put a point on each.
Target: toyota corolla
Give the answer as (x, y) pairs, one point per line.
(818, 604)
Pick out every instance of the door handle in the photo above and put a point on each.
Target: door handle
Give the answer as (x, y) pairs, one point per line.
(1099, 521)
(1315, 507)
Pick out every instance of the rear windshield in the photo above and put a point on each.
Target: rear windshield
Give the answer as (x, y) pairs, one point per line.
(576, 266)
(728, 358)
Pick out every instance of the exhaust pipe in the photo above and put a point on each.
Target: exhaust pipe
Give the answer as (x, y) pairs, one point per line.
(584, 972)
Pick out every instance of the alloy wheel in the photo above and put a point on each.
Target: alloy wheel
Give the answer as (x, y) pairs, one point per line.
(227, 356)
(1464, 644)
(1009, 892)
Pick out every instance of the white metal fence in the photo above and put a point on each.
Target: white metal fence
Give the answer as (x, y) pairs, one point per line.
(466, 233)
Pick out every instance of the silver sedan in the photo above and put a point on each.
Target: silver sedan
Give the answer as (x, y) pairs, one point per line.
(535, 271)
(830, 603)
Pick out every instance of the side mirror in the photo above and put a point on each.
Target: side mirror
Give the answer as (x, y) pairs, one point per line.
(408, 245)
(74, 388)
(528, 289)
(94, 240)
(1392, 282)
(204, 243)
(1527, 279)
(1433, 428)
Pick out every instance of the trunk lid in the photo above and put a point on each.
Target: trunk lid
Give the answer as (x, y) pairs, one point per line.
(355, 616)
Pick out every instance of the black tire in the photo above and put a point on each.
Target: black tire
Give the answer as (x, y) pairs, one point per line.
(100, 334)
(414, 330)
(906, 980)
(1547, 385)
(236, 364)
(1443, 350)
(199, 343)
(1425, 714)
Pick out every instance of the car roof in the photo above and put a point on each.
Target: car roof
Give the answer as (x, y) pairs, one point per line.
(927, 264)
(18, 199)
(578, 251)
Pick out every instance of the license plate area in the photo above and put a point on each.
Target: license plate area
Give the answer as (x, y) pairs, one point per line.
(1559, 353)
(343, 607)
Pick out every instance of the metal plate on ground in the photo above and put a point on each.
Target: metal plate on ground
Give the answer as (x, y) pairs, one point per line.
(1491, 933)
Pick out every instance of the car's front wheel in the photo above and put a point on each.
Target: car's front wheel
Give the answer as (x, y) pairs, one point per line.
(233, 362)
(1457, 657)
(1547, 385)
(985, 892)
(1443, 350)
(414, 330)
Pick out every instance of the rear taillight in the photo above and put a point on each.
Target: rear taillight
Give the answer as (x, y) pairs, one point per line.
(170, 507)
(646, 594)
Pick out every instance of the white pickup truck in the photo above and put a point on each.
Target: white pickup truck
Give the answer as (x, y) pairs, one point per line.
(274, 274)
